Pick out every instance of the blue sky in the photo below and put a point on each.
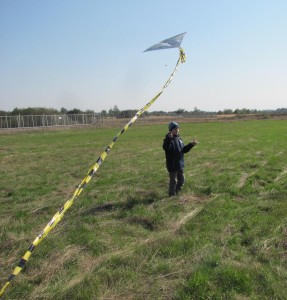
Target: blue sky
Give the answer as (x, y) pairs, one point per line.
(89, 54)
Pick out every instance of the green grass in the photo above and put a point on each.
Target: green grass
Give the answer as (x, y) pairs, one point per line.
(224, 237)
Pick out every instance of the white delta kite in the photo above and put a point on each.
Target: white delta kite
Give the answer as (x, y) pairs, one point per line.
(173, 42)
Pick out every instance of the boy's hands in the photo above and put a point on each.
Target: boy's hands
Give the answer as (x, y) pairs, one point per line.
(194, 142)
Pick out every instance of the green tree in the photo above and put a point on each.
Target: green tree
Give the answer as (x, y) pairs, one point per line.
(180, 111)
(104, 113)
(74, 111)
(64, 110)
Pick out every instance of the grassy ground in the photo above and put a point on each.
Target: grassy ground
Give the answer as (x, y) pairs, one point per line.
(224, 237)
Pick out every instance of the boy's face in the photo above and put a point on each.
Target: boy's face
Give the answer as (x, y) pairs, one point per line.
(175, 131)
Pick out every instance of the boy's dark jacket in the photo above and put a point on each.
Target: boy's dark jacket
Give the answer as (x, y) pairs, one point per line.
(174, 151)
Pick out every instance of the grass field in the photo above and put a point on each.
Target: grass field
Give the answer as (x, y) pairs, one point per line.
(224, 237)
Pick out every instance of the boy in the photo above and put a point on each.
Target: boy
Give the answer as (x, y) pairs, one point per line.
(174, 152)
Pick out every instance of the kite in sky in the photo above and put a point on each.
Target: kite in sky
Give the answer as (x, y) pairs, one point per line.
(173, 42)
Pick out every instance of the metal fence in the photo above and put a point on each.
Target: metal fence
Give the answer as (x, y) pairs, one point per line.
(31, 121)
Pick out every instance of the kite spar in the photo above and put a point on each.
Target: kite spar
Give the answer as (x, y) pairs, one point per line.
(173, 42)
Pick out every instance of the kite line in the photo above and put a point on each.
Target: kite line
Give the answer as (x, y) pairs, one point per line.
(173, 42)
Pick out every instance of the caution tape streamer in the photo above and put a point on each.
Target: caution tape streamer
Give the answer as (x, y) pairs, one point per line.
(59, 215)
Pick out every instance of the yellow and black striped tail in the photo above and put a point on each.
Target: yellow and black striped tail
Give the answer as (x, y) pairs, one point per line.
(59, 215)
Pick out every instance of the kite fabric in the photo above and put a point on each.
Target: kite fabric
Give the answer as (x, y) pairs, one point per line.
(173, 42)
(59, 214)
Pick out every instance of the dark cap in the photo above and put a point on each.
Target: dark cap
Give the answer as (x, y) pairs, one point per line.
(172, 125)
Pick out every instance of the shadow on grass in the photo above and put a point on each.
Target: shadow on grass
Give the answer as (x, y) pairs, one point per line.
(145, 222)
(128, 204)
(122, 209)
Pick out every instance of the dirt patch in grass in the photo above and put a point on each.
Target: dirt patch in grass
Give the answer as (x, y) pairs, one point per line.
(242, 180)
(281, 175)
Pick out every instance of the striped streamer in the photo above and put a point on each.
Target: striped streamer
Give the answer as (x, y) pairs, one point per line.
(59, 215)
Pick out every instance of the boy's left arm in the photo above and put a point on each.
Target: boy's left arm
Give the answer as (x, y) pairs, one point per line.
(188, 147)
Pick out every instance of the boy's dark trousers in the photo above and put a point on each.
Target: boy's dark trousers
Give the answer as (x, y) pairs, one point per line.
(176, 181)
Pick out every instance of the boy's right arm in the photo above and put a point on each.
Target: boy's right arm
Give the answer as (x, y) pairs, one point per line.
(167, 141)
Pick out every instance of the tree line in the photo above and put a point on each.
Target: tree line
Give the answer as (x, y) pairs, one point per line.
(116, 112)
